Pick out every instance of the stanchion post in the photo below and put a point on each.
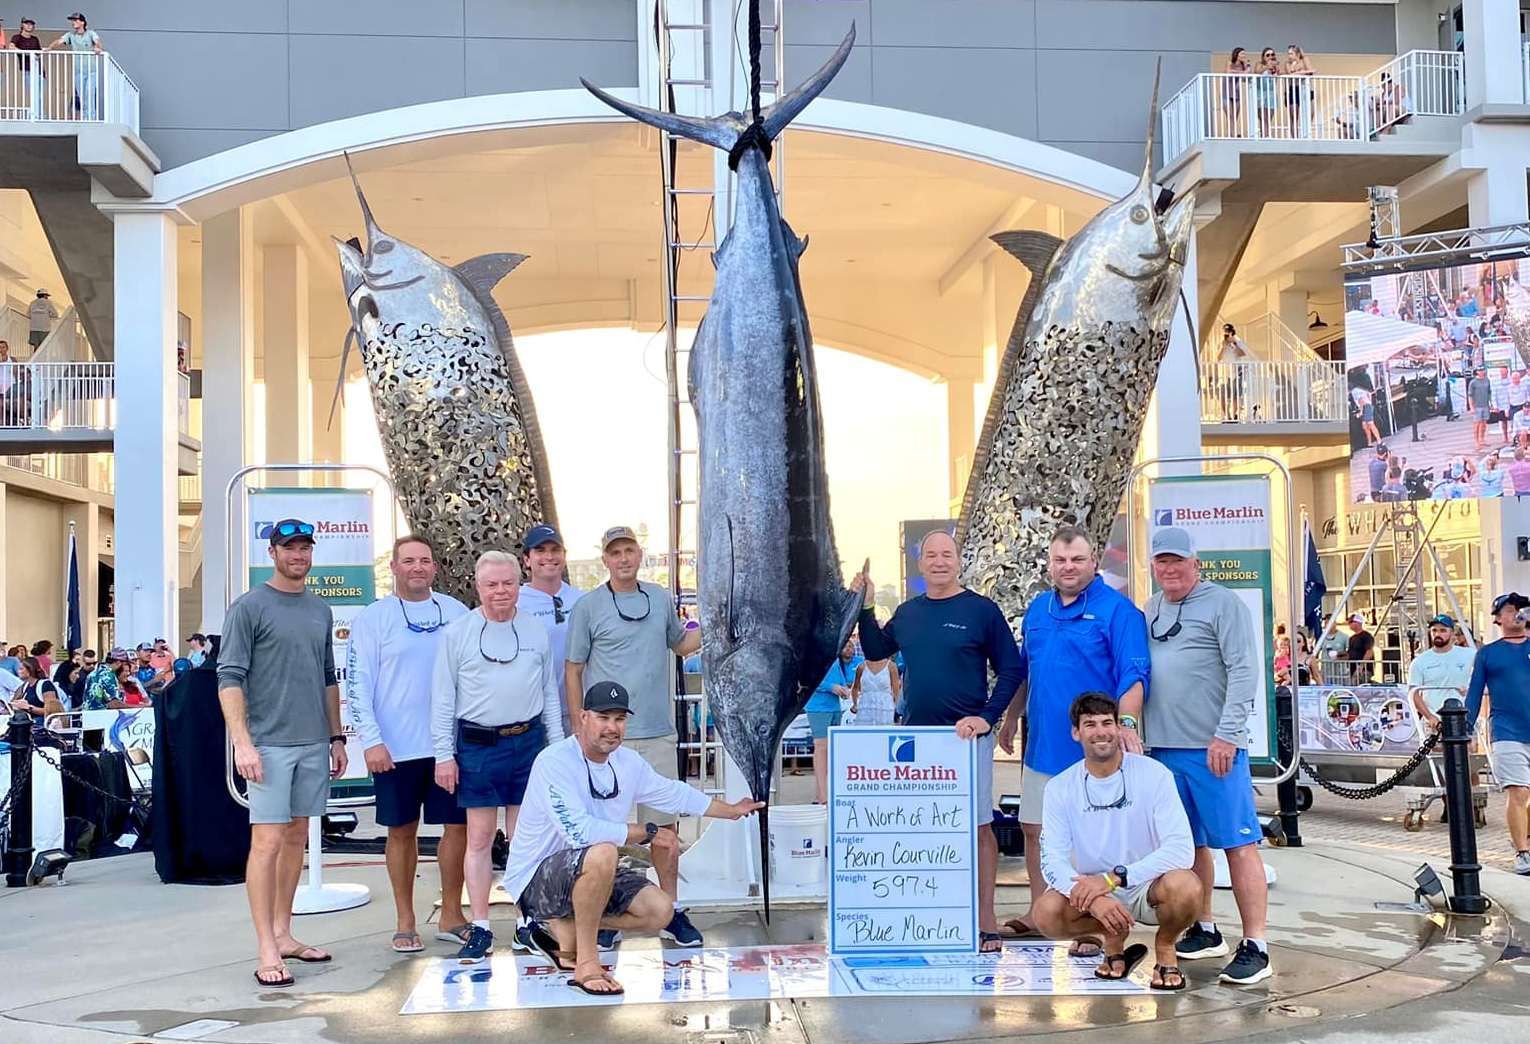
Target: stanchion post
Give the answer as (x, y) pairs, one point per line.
(1465, 871)
(18, 843)
(1285, 752)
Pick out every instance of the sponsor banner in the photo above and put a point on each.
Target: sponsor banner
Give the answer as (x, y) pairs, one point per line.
(1358, 719)
(127, 729)
(343, 562)
(1229, 520)
(656, 976)
(902, 841)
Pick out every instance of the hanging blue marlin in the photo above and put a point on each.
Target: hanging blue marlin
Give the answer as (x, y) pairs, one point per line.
(774, 609)
(453, 408)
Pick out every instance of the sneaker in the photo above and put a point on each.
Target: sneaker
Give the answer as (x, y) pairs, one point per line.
(1198, 943)
(521, 940)
(1522, 864)
(479, 945)
(607, 938)
(681, 931)
(1250, 965)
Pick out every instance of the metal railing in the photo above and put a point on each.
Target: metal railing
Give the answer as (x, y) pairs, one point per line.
(71, 86)
(70, 397)
(1263, 392)
(1263, 107)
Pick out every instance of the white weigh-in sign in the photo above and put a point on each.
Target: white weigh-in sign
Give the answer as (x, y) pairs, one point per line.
(902, 841)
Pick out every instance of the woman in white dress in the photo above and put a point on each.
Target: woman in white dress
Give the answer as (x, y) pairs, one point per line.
(875, 692)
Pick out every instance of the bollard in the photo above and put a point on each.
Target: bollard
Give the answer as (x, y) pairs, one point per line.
(1285, 752)
(1465, 871)
(18, 843)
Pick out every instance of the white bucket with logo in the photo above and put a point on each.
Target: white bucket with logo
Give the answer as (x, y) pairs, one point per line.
(799, 837)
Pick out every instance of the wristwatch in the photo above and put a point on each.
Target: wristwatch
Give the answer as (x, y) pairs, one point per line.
(337, 739)
(649, 830)
(1119, 873)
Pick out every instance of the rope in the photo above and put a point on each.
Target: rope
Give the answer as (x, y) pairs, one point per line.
(754, 135)
(1366, 793)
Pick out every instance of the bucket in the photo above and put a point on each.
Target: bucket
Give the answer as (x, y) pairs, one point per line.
(799, 846)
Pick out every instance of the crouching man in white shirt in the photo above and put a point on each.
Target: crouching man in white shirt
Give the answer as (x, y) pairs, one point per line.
(563, 869)
(1116, 849)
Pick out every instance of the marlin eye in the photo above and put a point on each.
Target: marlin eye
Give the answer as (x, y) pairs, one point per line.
(382, 246)
(1139, 215)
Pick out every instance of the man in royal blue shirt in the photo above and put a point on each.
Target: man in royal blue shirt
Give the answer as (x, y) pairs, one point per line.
(1081, 636)
(1503, 670)
(950, 637)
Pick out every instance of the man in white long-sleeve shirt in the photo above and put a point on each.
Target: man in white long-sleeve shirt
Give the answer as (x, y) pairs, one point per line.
(563, 868)
(493, 707)
(389, 669)
(1115, 849)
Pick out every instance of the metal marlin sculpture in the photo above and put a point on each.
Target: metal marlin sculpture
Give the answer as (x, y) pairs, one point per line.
(1073, 387)
(774, 608)
(453, 407)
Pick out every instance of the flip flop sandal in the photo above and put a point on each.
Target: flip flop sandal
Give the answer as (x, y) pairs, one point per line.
(301, 955)
(1127, 959)
(583, 986)
(456, 935)
(1087, 946)
(274, 984)
(405, 937)
(1018, 929)
(984, 938)
(1163, 972)
(545, 943)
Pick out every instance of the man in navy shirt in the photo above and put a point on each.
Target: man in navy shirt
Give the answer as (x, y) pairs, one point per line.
(950, 637)
(1503, 670)
(1081, 636)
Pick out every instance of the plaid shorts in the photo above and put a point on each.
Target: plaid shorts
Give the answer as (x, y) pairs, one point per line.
(550, 892)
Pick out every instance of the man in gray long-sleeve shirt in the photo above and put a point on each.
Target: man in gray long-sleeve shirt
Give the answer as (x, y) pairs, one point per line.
(277, 687)
(1205, 672)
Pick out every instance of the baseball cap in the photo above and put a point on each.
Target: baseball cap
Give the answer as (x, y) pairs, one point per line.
(197, 636)
(290, 529)
(1356, 618)
(145, 647)
(1443, 620)
(40, 293)
(536, 536)
(607, 696)
(1513, 598)
(77, 15)
(1172, 540)
(616, 533)
(117, 653)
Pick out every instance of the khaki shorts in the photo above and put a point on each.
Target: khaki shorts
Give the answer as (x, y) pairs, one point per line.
(660, 753)
(1033, 785)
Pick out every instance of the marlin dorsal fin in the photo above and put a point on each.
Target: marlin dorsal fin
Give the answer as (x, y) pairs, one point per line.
(1031, 248)
(484, 272)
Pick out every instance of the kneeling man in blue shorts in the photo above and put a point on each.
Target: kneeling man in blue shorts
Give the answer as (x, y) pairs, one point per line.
(1205, 671)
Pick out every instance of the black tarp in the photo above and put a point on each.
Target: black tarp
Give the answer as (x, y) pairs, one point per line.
(201, 834)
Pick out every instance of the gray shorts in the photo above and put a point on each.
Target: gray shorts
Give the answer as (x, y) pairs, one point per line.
(550, 892)
(295, 783)
(982, 784)
(1033, 785)
(660, 753)
(1511, 763)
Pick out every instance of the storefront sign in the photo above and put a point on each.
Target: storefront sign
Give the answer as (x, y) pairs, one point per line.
(1228, 517)
(902, 841)
(343, 562)
(1360, 719)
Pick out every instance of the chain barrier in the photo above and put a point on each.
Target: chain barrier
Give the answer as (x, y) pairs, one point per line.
(42, 752)
(1366, 793)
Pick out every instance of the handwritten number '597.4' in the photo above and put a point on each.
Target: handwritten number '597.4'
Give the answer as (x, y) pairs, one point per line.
(903, 885)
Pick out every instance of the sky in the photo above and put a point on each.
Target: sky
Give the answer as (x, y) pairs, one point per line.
(601, 402)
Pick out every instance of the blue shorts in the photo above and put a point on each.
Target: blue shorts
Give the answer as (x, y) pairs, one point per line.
(408, 787)
(1221, 811)
(822, 722)
(494, 775)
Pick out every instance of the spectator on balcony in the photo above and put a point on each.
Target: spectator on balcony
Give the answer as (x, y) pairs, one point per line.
(1233, 352)
(32, 72)
(41, 315)
(13, 393)
(1298, 90)
(1268, 94)
(1387, 103)
(82, 39)
(1232, 91)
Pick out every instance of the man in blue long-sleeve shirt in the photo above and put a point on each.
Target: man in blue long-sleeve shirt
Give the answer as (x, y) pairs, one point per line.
(950, 637)
(1503, 670)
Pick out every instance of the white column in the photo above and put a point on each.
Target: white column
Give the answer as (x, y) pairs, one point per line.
(284, 310)
(327, 443)
(1173, 427)
(960, 436)
(228, 377)
(147, 539)
(1495, 193)
(1493, 62)
(5, 554)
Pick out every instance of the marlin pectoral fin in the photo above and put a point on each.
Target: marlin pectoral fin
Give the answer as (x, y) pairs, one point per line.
(484, 272)
(734, 635)
(1031, 248)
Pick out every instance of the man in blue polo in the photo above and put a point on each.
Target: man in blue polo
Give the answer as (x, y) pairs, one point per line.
(1502, 675)
(1079, 637)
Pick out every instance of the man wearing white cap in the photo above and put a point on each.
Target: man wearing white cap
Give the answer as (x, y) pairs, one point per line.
(41, 315)
(1362, 644)
(1202, 637)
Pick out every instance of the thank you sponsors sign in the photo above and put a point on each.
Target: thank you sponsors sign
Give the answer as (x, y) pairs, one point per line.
(1228, 517)
(902, 841)
(344, 557)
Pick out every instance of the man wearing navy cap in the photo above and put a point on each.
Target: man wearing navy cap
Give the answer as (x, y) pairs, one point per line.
(549, 598)
(1502, 673)
(1441, 672)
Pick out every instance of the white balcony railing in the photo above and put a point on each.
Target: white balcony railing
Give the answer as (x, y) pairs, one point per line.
(1274, 393)
(72, 398)
(1215, 106)
(77, 86)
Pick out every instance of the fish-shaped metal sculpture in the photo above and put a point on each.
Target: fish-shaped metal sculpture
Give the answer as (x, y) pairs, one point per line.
(1072, 390)
(774, 609)
(458, 426)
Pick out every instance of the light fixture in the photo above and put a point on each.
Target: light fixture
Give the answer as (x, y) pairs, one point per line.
(49, 863)
(339, 824)
(1428, 884)
(1317, 322)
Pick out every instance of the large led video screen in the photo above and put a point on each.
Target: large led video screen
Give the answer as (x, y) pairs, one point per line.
(1438, 382)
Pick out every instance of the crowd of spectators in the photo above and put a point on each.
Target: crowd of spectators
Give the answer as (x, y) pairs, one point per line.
(33, 681)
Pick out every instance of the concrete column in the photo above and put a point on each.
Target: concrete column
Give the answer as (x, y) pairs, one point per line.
(86, 516)
(1290, 307)
(4, 556)
(147, 539)
(1493, 62)
(1173, 427)
(228, 302)
(327, 441)
(960, 436)
(1495, 193)
(284, 311)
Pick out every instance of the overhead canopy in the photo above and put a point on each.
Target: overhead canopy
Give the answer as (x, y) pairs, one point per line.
(1375, 338)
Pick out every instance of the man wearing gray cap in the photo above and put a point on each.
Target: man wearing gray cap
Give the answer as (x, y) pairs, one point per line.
(1201, 640)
